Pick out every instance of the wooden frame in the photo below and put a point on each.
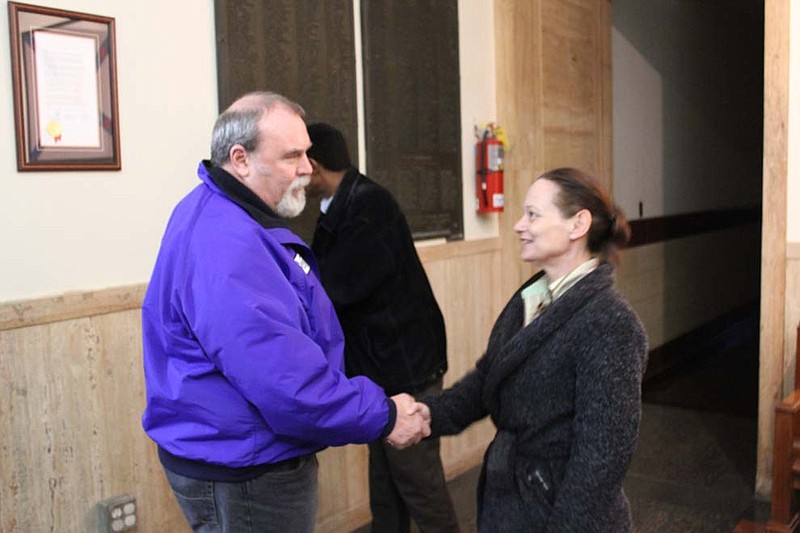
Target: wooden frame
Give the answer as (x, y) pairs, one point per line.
(65, 89)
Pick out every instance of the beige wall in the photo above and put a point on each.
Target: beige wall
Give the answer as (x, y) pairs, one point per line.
(64, 231)
(73, 231)
(679, 68)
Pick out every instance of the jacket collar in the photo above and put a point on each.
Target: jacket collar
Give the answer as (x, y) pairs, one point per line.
(341, 198)
(238, 193)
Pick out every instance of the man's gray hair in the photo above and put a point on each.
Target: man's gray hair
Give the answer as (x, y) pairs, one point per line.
(239, 123)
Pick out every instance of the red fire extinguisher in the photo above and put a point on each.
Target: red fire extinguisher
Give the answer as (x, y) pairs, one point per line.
(489, 171)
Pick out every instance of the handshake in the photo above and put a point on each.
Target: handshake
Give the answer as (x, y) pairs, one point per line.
(413, 422)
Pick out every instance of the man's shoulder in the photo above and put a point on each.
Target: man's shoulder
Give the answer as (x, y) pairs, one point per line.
(367, 190)
(208, 220)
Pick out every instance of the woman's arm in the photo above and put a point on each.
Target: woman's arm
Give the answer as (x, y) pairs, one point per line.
(454, 409)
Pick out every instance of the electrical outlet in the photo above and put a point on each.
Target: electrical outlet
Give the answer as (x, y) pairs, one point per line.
(117, 514)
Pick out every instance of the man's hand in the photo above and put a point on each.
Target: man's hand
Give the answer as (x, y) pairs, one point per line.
(411, 425)
(425, 411)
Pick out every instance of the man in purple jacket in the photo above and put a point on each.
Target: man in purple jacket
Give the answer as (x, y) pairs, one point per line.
(243, 353)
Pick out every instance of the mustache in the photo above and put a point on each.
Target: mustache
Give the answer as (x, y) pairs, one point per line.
(300, 183)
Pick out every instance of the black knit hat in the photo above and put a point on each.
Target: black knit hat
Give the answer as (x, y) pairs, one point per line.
(329, 148)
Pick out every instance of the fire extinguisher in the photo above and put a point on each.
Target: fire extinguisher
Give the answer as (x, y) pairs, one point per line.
(489, 170)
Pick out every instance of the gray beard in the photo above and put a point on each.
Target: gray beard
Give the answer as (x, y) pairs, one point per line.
(292, 204)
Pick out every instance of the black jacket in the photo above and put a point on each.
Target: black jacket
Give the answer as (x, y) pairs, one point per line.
(394, 330)
(565, 395)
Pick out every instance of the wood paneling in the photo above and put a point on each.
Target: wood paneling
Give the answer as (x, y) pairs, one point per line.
(676, 286)
(72, 393)
(69, 306)
(518, 56)
(71, 396)
(553, 98)
(773, 256)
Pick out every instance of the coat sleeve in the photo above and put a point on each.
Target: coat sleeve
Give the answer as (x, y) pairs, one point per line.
(249, 320)
(363, 258)
(606, 424)
(454, 409)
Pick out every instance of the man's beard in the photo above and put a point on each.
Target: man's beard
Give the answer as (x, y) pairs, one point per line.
(294, 199)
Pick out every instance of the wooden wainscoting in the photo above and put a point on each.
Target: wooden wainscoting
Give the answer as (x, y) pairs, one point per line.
(71, 397)
(678, 285)
(72, 393)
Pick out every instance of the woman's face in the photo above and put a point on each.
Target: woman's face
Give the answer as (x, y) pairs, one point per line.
(543, 230)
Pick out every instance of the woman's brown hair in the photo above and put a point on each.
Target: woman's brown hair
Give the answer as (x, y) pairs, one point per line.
(578, 190)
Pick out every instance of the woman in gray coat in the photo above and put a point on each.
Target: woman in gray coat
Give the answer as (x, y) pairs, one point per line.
(561, 376)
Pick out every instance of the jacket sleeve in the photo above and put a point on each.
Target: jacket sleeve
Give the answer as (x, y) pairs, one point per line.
(454, 409)
(246, 314)
(363, 258)
(606, 424)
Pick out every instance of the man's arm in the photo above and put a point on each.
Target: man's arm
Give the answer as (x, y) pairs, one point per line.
(251, 324)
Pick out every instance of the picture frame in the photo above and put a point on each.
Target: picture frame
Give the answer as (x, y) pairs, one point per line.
(64, 73)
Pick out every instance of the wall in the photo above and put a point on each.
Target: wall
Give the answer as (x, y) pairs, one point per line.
(65, 231)
(679, 69)
(793, 162)
(687, 81)
(793, 196)
(71, 389)
(68, 231)
(780, 264)
(553, 97)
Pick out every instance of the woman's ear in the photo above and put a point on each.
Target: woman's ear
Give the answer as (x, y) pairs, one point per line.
(581, 223)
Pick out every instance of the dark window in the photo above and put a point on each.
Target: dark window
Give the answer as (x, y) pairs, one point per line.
(412, 109)
(305, 50)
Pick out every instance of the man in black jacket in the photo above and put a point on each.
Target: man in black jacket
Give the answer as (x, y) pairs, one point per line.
(394, 330)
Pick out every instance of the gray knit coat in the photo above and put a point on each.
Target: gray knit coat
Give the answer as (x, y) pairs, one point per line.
(565, 395)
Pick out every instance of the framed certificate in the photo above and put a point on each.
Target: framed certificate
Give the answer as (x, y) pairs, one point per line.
(65, 89)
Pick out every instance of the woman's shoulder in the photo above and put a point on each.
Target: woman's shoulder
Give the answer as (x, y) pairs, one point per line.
(612, 307)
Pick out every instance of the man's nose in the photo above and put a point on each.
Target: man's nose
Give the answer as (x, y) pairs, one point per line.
(305, 166)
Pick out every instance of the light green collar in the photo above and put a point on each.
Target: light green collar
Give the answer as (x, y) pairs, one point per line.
(540, 294)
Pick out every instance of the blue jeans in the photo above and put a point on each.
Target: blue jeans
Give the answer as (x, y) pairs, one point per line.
(280, 501)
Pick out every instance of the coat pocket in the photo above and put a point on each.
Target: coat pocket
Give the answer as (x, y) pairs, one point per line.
(538, 480)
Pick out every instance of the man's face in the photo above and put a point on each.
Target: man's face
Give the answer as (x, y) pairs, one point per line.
(279, 168)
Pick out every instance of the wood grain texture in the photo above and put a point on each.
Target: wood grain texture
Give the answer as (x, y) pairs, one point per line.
(773, 262)
(553, 98)
(678, 285)
(518, 59)
(71, 395)
(70, 306)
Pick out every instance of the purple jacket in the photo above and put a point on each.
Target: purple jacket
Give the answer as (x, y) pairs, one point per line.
(243, 353)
